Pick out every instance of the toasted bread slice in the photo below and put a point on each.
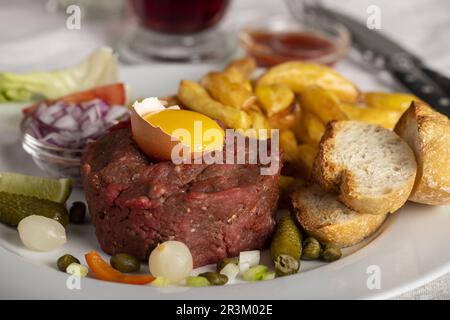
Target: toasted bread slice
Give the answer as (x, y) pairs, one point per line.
(371, 168)
(322, 216)
(428, 134)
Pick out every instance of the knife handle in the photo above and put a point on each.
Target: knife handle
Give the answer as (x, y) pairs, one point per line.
(423, 83)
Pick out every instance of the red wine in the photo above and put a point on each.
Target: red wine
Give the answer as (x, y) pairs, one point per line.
(179, 16)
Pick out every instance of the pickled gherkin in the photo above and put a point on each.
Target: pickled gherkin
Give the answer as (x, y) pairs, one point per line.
(286, 247)
(15, 207)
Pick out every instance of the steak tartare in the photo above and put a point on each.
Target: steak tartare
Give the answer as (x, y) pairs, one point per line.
(217, 210)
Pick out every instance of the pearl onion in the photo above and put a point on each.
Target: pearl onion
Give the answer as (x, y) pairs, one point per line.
(39, 233)
(171, 260)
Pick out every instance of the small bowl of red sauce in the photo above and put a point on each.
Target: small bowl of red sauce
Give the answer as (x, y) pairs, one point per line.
(277, 39)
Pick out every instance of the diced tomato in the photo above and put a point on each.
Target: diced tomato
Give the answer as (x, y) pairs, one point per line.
(112, 94)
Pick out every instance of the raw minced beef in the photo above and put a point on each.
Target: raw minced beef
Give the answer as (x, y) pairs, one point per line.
(217, 210)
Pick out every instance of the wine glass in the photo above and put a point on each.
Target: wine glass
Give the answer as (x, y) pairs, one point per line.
(176, 31)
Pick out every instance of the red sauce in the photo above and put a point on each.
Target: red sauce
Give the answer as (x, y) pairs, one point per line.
(270, 48)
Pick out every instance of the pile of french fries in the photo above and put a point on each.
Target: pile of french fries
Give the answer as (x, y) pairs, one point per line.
(296, 97)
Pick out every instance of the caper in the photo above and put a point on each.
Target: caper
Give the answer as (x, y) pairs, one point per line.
(330, 252)
(77, 212)
(66, 260)
(311, 249)
(125, 263)
(216, 279)
(222, 263)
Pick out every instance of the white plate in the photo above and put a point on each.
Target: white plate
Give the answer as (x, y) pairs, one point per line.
(410, 249)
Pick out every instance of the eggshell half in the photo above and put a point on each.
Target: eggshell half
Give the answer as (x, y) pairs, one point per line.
(153, 141)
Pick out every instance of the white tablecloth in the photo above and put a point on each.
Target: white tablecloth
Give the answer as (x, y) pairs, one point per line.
(32, 38)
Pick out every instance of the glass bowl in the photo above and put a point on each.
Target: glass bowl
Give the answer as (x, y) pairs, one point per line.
(324, 41)
(56, 162)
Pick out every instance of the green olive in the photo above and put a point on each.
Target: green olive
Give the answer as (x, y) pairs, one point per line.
(216, 279)
(330, 252)
(311, 249)
(125, 263)
(77, 212)
(65, 260)
(222, 263)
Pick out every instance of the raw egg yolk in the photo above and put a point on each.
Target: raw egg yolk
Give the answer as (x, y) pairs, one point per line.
(195, 130)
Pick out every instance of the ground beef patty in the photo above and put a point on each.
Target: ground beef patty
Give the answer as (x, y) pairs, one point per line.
(217, 210)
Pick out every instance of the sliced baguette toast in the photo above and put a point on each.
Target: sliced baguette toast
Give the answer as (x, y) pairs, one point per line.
(370, 168)
(322, 216)
(428, 134)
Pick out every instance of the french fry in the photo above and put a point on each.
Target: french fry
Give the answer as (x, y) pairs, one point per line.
(235, 76)
(227, 92)
(352, 110)
(285, 119)
(301, 157)
(310, 128)
(247, 84)
(307, 154)
(323, 103)
(195, 97)
(259, 121)
(274, 98)
(386, 118)
(289, 145)
(300, 75)
(391, 101)
(240, 69)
